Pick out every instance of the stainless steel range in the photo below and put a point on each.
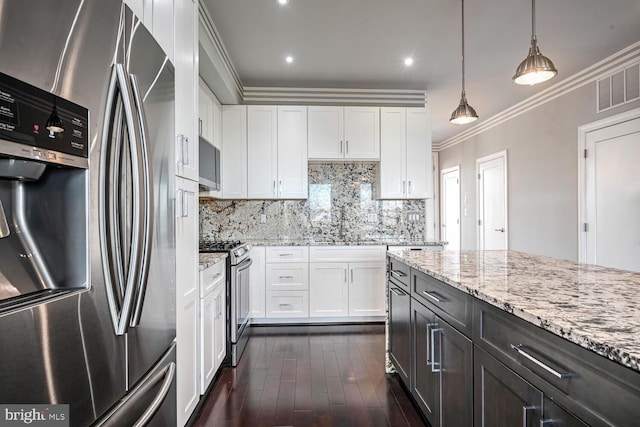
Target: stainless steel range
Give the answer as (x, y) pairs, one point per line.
(238, 263)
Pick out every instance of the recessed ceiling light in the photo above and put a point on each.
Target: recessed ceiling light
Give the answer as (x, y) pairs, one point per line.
(283, 2)
(289, 59)
(408, 61)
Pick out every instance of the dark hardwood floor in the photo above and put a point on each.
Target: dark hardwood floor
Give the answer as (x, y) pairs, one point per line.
(306, 376)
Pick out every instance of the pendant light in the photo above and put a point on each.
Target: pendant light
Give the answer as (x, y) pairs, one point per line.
(54, 124)
(536, 68)
(465, 112)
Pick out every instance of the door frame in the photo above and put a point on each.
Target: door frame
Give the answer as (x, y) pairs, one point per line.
(500, 154)
(455, 168)
(583, 131)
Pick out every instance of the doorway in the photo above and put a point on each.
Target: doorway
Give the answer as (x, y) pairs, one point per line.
(610, 193)
(450, 211)
(491, 206)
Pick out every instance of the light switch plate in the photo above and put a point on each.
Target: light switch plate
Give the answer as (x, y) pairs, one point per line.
(263, 218)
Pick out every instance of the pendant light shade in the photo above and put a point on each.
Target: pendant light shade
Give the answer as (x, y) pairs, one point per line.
(465, 112)
(536, 68)
(54, 124)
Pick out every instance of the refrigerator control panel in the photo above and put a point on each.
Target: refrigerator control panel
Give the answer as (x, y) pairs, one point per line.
(39, 125)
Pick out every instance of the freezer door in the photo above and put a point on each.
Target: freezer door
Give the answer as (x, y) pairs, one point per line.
(151, 402)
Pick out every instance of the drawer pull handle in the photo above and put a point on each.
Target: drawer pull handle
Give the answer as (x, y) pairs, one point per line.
(285, 255)
(434, 296)
(435, 366)
(285, 277)
(398, 273)
(396, 293)
(429, 326)
(285, 305)
(560, 375)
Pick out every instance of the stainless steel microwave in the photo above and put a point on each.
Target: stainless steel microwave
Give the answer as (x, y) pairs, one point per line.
(209, 163)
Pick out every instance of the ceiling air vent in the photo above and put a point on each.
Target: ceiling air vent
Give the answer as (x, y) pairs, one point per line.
(618, 88)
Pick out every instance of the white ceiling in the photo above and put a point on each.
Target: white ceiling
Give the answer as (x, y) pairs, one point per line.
(362, 44)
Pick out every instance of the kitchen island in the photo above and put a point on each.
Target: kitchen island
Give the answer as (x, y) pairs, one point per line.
(565, 333)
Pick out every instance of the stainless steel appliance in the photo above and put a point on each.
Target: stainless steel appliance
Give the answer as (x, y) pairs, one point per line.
(208, 165)
(87, 255)
(238, 263)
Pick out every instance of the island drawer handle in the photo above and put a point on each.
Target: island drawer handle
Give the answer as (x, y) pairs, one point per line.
(398, 273)
(560, 375)
(396, 293)
(434, 296)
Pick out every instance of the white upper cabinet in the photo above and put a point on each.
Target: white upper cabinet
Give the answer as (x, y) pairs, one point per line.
(339, 133)
(262, 152)
(405, 162)
(277, 152)
(158, 17)
(234, 152)
(292, 153)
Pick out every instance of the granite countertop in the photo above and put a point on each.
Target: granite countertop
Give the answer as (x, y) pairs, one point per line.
(367, 242)
(210, 259)
(595, 307)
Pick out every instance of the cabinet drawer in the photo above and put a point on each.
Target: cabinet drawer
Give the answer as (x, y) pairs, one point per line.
(212, 277)
(287, 276)
(599, 391)
(400, 273)
(287, 304)
(347, 253)
(287, 254)
(452, 305)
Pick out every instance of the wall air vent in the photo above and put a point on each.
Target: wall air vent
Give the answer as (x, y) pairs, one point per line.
(618, 88)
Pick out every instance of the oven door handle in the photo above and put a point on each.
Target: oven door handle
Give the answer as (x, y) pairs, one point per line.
(244, 265)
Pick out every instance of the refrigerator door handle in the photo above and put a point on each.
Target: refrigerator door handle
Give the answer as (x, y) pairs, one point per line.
(121, 291)
(146, 204)
(169, 373)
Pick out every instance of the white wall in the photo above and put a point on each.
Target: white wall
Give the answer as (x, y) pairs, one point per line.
(542, 153)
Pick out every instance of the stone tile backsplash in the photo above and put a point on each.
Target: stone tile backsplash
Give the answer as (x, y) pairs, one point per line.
(341, 207)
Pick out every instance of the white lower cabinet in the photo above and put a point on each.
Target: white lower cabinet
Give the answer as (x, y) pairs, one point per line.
(346, 289)
(283, 304)
(287, 282)
(212, 322)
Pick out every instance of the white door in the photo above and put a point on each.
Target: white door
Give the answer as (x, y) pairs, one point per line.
(362, 133)
(613, 196)
(262, 152)
(393, 153)
(326, 132)
(367, 288)
(492, 202)
(450, 196)
(419, 162)
(292, 153)
(328, 289)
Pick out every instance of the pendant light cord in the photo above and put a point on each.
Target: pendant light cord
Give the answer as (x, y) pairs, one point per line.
(533, 19)
(463, 49)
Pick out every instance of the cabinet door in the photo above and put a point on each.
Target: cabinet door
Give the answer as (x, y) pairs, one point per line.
(186, 81)
(392, 180)
(234, 152)
(503, 398)
(419, 164)
(292, 153)
(328, 289)
(262, 152)
(425, 383)
(203, 111)
(326, 133)
(400, 331)
(556, 416)
(367, 288)
(453, 357)
(362, 133)
(162, 25)
(187, 298)
(208, 313)
(219, 327)
(257, 283)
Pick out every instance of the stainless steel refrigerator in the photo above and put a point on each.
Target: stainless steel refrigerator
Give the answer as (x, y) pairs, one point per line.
(87, 249)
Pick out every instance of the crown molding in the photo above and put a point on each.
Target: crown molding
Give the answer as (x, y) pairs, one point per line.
(220, 50)
(334, 96)
(608, 65)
